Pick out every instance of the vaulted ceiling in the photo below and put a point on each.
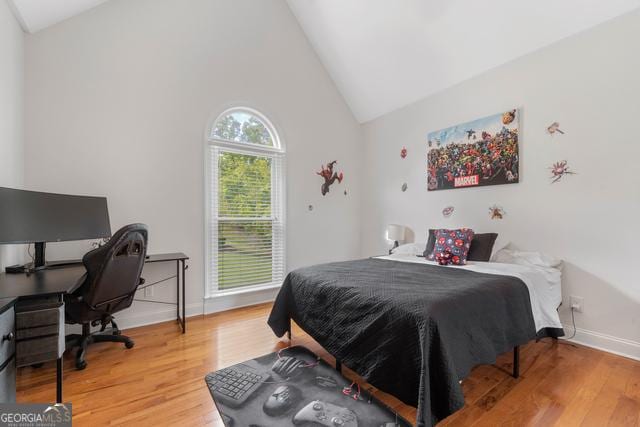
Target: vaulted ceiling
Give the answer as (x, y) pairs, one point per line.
(35, 15)
(384, 54)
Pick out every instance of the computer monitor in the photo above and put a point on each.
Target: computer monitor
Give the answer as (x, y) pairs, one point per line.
(34, 217)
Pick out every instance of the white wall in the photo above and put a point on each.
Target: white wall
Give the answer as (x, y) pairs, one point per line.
(11, 112)
(118, 100)
(590, 84)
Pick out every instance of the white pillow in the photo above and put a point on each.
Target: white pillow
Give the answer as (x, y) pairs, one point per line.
(410, 249)
(498, 245)
(511, 256)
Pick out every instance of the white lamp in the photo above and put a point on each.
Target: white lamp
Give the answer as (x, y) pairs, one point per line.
(395, 232)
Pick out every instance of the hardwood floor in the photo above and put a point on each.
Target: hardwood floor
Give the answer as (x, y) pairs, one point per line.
(160, 381)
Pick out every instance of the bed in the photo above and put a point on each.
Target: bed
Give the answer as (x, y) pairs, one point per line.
(415, 329)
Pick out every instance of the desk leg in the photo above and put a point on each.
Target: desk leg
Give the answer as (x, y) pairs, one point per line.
(59, 363)
(180, 300)
(178, 292)
(184, 297)
(59, 380)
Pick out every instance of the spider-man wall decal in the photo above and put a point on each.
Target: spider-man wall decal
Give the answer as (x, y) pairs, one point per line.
(329, 176)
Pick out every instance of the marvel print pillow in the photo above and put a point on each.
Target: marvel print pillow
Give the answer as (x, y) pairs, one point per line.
(455, 242)
(430, 251)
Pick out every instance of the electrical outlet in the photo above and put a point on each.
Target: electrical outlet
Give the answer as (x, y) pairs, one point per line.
(577, 303)
(148, 292)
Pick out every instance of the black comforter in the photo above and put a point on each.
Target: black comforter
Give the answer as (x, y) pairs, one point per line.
(412, 330)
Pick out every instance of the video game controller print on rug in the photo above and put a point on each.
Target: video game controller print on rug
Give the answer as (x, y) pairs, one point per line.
(294, 388)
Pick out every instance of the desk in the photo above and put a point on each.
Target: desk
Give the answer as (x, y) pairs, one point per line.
(60, 280)
(66, 277)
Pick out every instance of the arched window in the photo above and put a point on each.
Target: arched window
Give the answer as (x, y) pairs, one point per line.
(242, 125)
(245, 191)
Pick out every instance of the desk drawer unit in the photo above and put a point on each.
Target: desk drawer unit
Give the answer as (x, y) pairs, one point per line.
(37, 350)
(36, 318)
(39, 332)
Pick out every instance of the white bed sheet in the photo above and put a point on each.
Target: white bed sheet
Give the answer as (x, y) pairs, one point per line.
(544, 284)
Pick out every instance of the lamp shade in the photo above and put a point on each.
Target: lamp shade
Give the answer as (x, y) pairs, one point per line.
(395, 232)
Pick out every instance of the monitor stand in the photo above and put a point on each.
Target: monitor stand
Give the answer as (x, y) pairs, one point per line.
(38, 264)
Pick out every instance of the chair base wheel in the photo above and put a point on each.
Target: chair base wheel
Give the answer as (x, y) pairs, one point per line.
(83, 341)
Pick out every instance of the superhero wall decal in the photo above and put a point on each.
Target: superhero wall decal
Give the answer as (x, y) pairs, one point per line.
(496, 212)
(329, 176)
(559, 170)
(554, 128)
(448, 211)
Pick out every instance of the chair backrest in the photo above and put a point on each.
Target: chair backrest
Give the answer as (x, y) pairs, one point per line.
(114, 269)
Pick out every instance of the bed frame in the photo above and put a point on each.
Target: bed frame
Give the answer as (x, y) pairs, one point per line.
(514, 374)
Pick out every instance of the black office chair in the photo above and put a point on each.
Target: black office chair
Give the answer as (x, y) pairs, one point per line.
(109, 285)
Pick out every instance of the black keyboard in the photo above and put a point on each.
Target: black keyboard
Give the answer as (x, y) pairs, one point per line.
(233, 386)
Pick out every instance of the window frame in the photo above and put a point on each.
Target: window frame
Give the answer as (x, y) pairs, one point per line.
(278, 186)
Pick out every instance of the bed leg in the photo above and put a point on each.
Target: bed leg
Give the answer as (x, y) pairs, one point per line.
(338, 366)
(516, 361)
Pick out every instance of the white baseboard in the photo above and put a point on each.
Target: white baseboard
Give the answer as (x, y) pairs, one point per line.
(225, 302)
(131, 319)
(604, 342)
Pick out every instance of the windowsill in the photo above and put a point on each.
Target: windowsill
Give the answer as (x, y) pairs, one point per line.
(247, 290)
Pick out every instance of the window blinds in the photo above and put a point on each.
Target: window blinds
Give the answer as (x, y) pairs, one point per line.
(246, 242)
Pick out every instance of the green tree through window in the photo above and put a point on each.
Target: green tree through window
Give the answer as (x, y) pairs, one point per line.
(242, 127)
(249, 239)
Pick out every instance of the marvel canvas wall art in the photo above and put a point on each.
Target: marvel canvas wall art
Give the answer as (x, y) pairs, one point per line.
(476, 153)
